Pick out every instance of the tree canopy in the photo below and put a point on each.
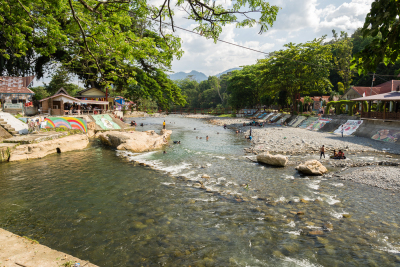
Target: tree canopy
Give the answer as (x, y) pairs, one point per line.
(382, 24)
(120, 42)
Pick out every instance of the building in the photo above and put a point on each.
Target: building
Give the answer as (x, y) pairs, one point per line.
(61, 103)
(359, 91)
(385, 105)
(14, 92)
(95, 95)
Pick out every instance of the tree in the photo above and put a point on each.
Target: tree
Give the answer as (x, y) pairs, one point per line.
(343, 48)
(340, 88)
(299, 69)
(92, 30)
(40, 92)
(382, 21)
(307, 102)
(62, 78)
(244, 87)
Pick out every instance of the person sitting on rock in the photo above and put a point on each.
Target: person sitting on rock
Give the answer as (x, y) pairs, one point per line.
(335, 154)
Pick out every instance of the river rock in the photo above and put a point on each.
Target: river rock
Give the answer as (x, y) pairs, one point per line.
(134, 141)
(42, 149)
(312, 167)
(274, 160)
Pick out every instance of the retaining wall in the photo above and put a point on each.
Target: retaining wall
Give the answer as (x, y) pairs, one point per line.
(370, 128)
(336, 121)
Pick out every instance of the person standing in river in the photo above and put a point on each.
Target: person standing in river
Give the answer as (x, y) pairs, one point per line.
(322, 150)
(342, 130)
(163, 125)
(250, 131)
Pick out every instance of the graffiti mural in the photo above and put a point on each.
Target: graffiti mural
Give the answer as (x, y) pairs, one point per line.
(349, 127)
(296, 121)
(105, 122)
(66, 122)
(391, 136)
(307, 122)
(317, 125)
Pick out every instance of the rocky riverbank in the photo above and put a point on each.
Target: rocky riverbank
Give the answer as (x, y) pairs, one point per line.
(298, 141)
(385, 177)
(21, 251)
(135, 141)
(44, 148)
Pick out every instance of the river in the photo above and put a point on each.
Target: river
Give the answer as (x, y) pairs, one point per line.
(101, 205)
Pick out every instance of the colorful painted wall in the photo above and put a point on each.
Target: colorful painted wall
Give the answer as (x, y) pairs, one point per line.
(105, 122)
(349, 127)
(316, 125)
(391, 136)
(66, 122)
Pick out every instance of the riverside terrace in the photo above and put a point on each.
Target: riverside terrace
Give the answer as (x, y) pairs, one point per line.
(387, 106)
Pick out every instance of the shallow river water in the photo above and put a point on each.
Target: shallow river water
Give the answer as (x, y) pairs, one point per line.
(99, 204)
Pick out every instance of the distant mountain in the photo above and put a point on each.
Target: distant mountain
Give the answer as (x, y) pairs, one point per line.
(224, 72)
(198, 76)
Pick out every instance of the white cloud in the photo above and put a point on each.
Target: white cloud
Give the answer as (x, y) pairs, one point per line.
(298, 21)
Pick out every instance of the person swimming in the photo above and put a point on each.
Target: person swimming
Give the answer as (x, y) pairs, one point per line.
(177, 142)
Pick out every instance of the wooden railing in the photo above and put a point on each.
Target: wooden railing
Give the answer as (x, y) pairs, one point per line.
(381, 115)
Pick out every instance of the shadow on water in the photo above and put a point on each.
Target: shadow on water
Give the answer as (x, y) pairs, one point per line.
(98, 204)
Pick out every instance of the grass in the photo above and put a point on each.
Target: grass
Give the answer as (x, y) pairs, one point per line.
(227, 116)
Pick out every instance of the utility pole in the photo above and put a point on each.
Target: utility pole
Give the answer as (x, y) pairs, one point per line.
(372, 84)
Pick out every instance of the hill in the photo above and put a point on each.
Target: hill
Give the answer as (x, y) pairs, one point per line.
(224, 72)
(198, 76)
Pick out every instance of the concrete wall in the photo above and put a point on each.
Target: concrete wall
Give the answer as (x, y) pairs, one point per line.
(336, 121)
(370, 127)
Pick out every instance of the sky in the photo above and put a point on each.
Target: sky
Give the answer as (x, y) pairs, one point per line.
(298, 21)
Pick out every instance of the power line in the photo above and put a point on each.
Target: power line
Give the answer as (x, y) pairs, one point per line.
(258, 51)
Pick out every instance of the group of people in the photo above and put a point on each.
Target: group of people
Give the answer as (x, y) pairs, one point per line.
(36, 124)
(336, 155)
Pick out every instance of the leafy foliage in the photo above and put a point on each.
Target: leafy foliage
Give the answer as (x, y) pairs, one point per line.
(111, 42)
(382, 24)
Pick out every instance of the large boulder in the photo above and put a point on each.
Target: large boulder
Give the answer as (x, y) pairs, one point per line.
(275, 160)
(42, 149)
(312, 167)
(135, 141)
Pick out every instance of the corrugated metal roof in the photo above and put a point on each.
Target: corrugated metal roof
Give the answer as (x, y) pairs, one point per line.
(391, 96)
(15, 90)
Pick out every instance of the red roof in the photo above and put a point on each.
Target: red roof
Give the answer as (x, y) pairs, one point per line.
(15, 85)
(367, 90)
(389, 86)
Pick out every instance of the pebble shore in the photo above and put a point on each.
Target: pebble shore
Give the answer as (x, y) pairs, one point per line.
(291, 141)
(378, 176)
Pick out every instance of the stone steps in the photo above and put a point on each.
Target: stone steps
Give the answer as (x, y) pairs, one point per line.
(8, 127)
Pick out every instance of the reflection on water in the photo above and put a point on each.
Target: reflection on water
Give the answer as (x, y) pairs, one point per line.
(99, 205)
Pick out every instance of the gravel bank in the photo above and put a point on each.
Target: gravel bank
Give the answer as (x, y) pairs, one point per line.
(298, 141)
(379, 176)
